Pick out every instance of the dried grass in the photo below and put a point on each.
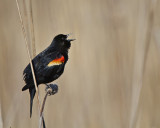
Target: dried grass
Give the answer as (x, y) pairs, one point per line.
(112, 77)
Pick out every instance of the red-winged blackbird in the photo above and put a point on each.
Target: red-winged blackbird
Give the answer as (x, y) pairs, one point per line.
(48, 65)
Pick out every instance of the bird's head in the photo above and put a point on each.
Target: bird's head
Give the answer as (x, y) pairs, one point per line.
(62, 42)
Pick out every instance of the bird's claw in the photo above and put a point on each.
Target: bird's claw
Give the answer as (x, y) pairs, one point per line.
(51, 89)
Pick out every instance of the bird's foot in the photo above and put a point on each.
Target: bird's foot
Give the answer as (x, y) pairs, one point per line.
(51, 89)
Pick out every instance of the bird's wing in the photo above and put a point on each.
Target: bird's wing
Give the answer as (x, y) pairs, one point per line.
(27, 73)
(52, 64)
(49, 61)
(43, 63)
(54, 61)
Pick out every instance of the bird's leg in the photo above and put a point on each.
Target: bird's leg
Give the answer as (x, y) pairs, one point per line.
(51, 89)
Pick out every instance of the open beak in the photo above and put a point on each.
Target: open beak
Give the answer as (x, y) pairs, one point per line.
(70, 39)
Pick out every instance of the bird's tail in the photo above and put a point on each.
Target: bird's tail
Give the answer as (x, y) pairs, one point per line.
(32, 92)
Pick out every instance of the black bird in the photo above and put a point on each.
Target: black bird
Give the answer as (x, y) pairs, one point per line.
(48, 65)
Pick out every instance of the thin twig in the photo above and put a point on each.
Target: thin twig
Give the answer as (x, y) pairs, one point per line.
(34, 49)
(43, 104)
(26, 43)
(32, 30)
(1, 122)
(51, 89)
(41, 121)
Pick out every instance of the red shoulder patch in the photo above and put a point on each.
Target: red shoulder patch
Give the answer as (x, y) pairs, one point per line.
(56, 61)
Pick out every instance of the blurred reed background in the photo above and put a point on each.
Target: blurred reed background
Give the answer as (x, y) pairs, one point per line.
(112, 78)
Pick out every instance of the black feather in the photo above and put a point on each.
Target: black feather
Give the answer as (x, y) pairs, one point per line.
(25, 87)
(44, 73)
(32, 92)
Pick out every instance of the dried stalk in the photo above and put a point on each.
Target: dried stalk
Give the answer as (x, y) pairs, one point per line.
(30, 60)
(32, 30)
(51, 89)
(1, 122)
(138, 77)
